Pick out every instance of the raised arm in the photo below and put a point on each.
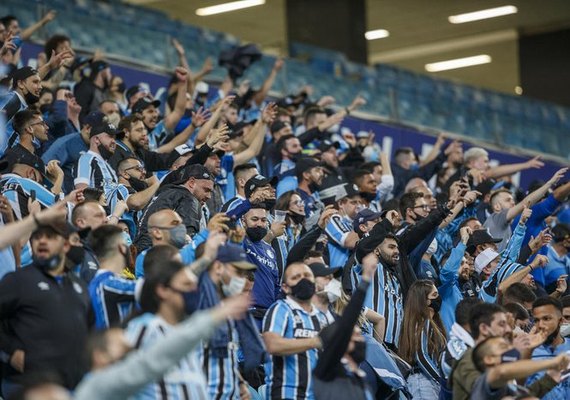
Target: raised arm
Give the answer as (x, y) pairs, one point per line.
(30, 30)
(535, 196)
(261, 94)
(500, 375)
(509, 169)
(172, 119)
(258, 133)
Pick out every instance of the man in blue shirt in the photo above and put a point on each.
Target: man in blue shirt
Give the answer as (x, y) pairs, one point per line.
(112, 296)
(309, 176)
(547, 314)
(259, 252)
(558, 257)
(26, 87)
(290, 331)
(289, 148)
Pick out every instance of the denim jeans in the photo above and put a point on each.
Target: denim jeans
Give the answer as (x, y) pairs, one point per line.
(423, 388)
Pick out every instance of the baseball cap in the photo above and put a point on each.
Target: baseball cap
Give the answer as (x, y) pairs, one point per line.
(196, 171)
(22, 73)
(320, 269)
(362, 135)
(235, 255)
(327, 144)
(481, 236)
(483, 259)
(144, 103)
(61, 228)
(256, 182)
(305, 164)
(202, 87)
(103, 127)
(277, 126)
(19, 155)
(364, 216)
(134, 90)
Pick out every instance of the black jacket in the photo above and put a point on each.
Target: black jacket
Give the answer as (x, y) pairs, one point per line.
(151, 160)
(407, 242)
(173, 197)
(47, 320)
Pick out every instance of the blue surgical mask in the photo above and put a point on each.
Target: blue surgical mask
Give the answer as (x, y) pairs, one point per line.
(178, 236)
(127, 238)
(191, 301)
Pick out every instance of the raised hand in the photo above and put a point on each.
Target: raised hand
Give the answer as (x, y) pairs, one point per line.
(269, 113)
(543, 238)
(526, 213)
(326, 215)
(557, 176)
(470, 197)
(465, 234)
(534, 163)
(234, 307)
(357, 102)
(215, 240)
(200, 117)
(218, 222)
(181, 74)
(539, 261)
(369, 266)
(178, 47)
(59, 59)
(279, 63)
(54, 214)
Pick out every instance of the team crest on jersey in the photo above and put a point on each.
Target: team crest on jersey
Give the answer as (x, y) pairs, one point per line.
(43, 286)
(77, 287)
(270, 254)
(297, 319)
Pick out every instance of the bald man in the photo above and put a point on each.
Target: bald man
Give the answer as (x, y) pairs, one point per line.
(166, 227)
(87, 216)
(290, 332)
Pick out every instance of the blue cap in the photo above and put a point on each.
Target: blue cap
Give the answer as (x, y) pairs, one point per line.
(364, 216)
(235, 255)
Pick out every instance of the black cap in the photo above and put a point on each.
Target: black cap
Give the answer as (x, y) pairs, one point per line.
(19, 155)
(22, 74)
(364, 216)
(95, 67)
(99, 124)
(134, 90)
(351, 190)
(61, 228)
(196, 171)
(305, 164)
(320, 269)
(327, 144)
(256, 182)
(237, 128)
(480, 236)
(144, 103)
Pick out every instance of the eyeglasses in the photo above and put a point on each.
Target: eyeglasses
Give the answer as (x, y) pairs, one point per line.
(44, 123)
(425, 207)
(298, 203)
(139, 168)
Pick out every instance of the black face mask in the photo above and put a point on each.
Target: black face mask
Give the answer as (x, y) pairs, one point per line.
(303, 290)
(121, 87)
(436, 304)
(106, 154)
(256, 234)
(47, 263)
(296, 218)
(294, 156)
(368, 196)
(313, 187)
(417, 217)
(31, 98)
(76, 254)
(358, 354)
(552, 336)
(44, 108)
(138, 184)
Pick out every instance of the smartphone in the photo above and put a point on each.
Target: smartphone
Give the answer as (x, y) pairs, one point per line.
(17, 40)
(231, 223)
(33, 195)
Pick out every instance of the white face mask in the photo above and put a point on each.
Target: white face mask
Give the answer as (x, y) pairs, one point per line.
(565, 330)
(235, 287)
(333, 290)
(432, 247)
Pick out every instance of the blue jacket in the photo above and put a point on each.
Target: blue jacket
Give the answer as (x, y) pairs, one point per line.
(449, 289)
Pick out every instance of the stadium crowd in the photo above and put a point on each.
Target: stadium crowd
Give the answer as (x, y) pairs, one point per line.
(238, 247)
